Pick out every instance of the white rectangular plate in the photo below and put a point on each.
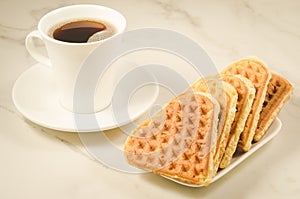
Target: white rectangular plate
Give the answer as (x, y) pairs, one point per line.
(237, 159)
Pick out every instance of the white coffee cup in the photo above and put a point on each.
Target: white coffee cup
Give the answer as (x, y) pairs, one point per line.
(65, 58)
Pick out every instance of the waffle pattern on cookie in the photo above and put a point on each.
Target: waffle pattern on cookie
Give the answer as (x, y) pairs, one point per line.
(259, 75)
(279, 91)
(178, 141)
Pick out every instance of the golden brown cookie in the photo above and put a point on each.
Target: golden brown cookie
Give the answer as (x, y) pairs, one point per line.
(257, 72)
(278, 93)
(179, 141)
(227, 97)
(246, 93)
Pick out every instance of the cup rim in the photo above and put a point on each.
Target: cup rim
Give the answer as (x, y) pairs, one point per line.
(46, 36)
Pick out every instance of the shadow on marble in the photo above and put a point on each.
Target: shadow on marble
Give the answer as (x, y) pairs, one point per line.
(73, 136)
(70, 139)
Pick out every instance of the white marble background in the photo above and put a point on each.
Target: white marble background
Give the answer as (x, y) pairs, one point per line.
(41, 163)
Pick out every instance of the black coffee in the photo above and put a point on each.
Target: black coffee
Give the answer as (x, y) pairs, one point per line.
(80, 31)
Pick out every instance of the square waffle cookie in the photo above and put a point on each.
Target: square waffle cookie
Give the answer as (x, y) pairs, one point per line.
(179, 141)
(278, 93)
(257, 72)
(246, 93)
(227, 97)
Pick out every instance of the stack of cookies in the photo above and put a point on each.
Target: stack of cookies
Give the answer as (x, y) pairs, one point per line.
(197, 133)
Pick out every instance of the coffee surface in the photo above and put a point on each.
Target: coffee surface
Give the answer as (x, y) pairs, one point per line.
(78, 31)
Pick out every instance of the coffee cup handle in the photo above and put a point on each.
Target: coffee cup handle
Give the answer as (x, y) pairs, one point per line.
(32, 48)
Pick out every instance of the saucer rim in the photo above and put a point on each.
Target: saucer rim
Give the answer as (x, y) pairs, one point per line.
(74, 128)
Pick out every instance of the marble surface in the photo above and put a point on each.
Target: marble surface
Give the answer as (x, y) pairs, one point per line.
(37, 162)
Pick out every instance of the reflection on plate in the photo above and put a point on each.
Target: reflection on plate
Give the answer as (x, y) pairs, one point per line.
(35, 96)
(239, 157)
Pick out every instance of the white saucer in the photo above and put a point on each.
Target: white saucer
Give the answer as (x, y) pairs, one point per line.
(35, 97)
